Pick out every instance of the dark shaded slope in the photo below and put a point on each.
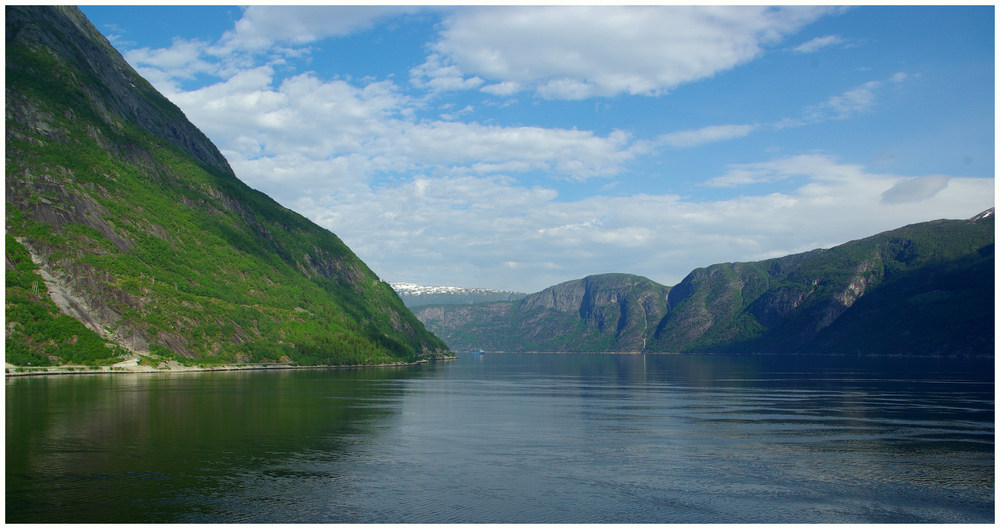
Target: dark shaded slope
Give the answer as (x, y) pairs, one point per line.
(806, 294)
(943, 309)
(139, 228)
(924, 289)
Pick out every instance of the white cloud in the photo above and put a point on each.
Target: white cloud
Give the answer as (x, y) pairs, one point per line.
(575, 52)
(422, 199)
(711, 134)
(307, 133)
(818, 43)
(264, 35)
(489, 231)
(814, 166)
(470, 147)
(177, 59)
(505, 88)
(451, 116)
(165, 67)
(854, 101)
(436, 76)
(262, 26)
(850, 103)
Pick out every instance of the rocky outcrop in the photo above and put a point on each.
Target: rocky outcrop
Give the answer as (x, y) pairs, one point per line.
(612, 312)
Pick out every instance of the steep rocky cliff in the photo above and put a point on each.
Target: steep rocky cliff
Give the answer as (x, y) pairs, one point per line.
(611, 312)
(127, 231)
(924, 289)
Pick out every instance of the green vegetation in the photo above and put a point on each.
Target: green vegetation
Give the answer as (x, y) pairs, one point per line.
(170, 252)
(37, 333)
(610, 312)
(924, 289)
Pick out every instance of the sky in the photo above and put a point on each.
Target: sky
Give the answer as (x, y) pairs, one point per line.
(518, 147)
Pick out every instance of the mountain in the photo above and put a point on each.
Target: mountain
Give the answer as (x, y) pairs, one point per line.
(611, 312)
(420, 295)
(128, 232)
(924, 289)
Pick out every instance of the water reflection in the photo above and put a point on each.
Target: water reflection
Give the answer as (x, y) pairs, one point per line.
(512, 439)
(174, 436)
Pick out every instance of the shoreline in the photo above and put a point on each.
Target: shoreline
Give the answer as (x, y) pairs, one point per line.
(130, 367)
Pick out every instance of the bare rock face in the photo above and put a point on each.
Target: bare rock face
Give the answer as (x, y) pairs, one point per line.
(610, 312)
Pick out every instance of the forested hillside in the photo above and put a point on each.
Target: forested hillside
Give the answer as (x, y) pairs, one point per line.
(925, 289)
(128, 232)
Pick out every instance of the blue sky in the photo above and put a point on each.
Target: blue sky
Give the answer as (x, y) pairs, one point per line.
(518, 147)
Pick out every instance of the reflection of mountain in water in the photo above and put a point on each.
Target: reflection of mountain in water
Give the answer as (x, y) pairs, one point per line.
(184, 437)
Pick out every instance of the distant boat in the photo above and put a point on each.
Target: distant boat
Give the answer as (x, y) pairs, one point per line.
(475, 352)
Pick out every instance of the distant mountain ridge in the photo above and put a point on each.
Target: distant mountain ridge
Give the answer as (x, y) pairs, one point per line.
(926, 289)
(414, 295)
(129, 234)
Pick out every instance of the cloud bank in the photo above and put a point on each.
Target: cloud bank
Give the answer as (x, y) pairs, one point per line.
(588, 51)
(481, 203)
(525, 238)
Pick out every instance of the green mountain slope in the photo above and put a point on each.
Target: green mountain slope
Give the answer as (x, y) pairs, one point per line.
(924, 289)
(610, 312)
(121, 214)
(785, 304)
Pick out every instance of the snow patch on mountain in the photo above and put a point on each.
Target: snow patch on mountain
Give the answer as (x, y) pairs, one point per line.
(415, 295)
(417, 290)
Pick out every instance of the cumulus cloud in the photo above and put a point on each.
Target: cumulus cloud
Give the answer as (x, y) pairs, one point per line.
(437, 76)
(575, 52)
(572, 154)
(166, 67)
(318, 133)
(177, 59)
(505, 88)
(262, 26)
(268, 35)
(488, 231)
(420, 199)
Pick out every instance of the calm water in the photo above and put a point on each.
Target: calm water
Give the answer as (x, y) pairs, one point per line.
(511, 438)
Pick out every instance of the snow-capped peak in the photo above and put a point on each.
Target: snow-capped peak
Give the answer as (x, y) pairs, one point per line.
(984, 215)
(416, 290)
